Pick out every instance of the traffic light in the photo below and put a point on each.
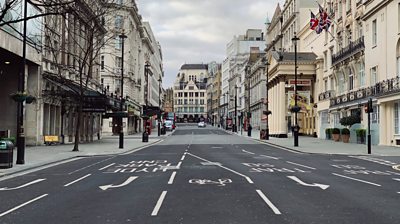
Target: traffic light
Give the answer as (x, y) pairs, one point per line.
(368, 107)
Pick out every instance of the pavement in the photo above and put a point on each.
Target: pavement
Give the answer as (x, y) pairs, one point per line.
(321, 146)
(38, 156)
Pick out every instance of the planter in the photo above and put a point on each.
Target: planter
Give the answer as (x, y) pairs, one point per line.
(328, 136)
(360, 139)
(336, 137)
(346, 138)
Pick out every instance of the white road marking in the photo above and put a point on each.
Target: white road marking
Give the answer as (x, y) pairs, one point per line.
(271, 157)
(159, 203)
(351, 178)
(85, 167)
(128, 181)
(393, 172)
(22, 186)
(79, 179)
(278, 147)
(308, 167)
(322, 186)
(171, 179)
(22, 205)
(217, 147)
(269, 203)
(252, 153)
(235, 172)
(397, 179)
(112, 164)
(183, 157)
(179, 164)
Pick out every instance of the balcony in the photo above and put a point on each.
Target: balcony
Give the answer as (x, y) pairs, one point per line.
(326, 95)
(353, 48)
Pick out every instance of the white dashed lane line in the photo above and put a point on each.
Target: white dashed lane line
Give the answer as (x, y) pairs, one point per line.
(308, 167)
(362, 181)
(77, 180)
(159, 203)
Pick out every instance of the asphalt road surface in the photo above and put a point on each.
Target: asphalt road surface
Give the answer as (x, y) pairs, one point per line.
(206, 175)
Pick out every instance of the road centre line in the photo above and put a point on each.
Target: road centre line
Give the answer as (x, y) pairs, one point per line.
(252, 153)
(183, 157)
(112, 164)
(397, 179)
(269, 203)
(22, 205)
(79, 179)
(271, 157)
(312, 168)
(171, 179)
(179, 164)
(159, 203)
(235, 172)
(388, 171)
(85, 167)
(362, 181)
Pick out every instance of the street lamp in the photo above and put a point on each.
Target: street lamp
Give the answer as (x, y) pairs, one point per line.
(266, 68)
(146, 76)
(159, 105)
(296, 108)
(121, 124)
(21, 88)
(236, 87)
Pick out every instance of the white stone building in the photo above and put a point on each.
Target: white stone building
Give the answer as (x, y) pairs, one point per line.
(190, 93)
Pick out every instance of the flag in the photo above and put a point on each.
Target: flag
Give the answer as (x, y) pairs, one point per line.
(324, 20)
(313, 21)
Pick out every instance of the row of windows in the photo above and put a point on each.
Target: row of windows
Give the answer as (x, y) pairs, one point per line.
(189, 110)
(190, 101)
(190, 94)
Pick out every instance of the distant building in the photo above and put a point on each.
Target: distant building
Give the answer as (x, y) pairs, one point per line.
(169, 100)
(190, 93)
(213, 92)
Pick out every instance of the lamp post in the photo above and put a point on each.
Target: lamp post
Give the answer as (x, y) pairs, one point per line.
(21, 88)
(266, 68)
(146, 76)
(121, 124)
(236, 87)
(295, 109)
(159, 105)
(211, 108)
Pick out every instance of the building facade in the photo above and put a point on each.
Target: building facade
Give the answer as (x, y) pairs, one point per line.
(213, 92)
(190, 93)
(169, 100)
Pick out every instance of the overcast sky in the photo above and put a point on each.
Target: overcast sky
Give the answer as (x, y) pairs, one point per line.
(197, 31)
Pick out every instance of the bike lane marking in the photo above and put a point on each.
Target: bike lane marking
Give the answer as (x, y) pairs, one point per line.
(362, 181)
(22, 205)
(171, 179)
(226, 168)
(308, 167)
(159, 203)
(269, 203)
(77, 180)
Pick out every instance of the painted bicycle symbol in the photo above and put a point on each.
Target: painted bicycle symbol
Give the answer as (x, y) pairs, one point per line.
(220, 182)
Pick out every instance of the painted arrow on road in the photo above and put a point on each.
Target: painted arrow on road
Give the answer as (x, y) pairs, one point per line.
(129, 180)
(22, 186)
(322, 186)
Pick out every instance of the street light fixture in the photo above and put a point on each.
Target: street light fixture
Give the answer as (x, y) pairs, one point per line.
(21, 88)
(121, 124)
(296, 108)
(236, 87)
(266, 68)
(159, 105)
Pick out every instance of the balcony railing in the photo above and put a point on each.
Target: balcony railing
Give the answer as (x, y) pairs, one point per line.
(386, 87)
(326, 95)
(350, 50)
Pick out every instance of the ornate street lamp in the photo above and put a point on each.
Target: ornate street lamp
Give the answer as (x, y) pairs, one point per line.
(236, 87)
(296, 108)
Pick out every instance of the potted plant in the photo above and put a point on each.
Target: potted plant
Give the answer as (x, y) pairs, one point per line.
(336, 134)
(30, 99)
(360, 136)
(345, 135)
(328, 133)
(19, 96)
